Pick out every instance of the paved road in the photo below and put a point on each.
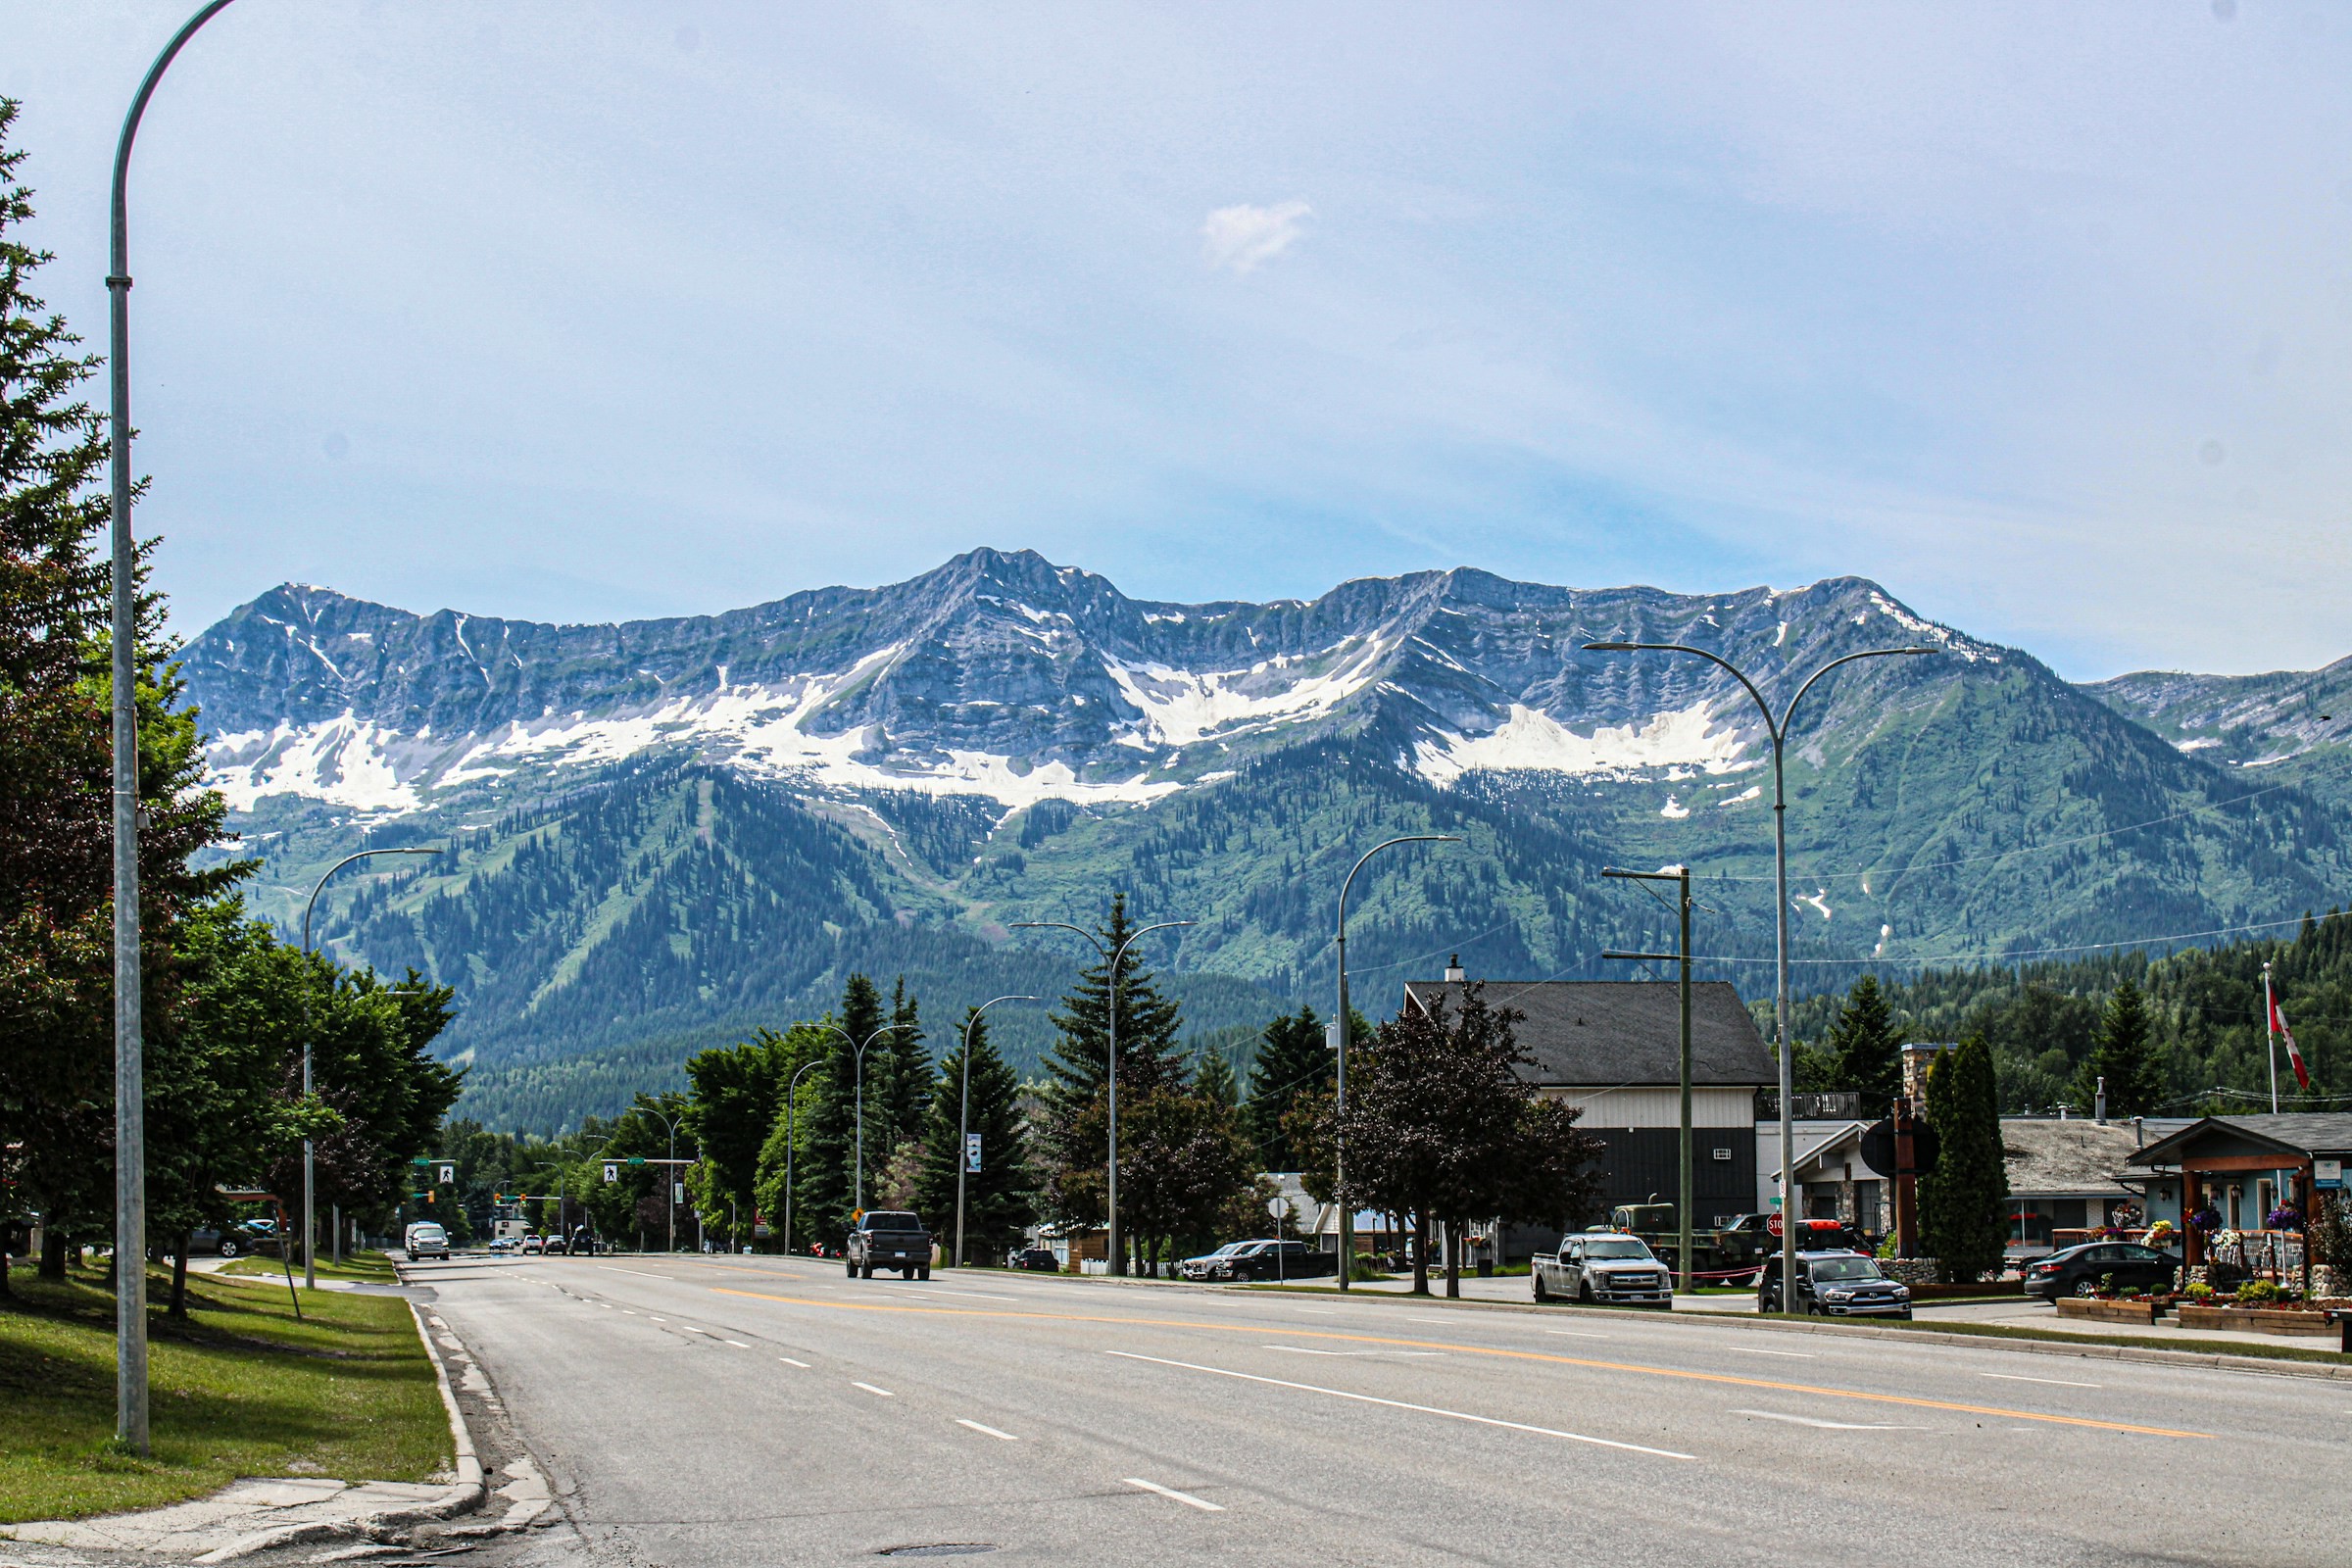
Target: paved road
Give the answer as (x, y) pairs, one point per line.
(744, 1411)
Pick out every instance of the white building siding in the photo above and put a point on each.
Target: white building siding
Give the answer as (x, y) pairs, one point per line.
(1651, 1106)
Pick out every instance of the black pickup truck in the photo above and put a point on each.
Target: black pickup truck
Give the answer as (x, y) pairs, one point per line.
(885, 1238)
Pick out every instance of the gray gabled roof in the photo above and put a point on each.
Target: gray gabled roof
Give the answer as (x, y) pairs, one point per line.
(1624, 1032)
(2073, 1158)
(2300, 1132)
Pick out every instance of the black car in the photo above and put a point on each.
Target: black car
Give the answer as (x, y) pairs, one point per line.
(1038, 1259)
(2079, 1270)
(885, 1238)
(1838, 1284)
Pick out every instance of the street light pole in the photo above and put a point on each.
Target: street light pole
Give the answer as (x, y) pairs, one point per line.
(670, 1176)
(1680, 877)
(857, 1194)
(1113, 1259)
(963, 1115)
(310, 1273)
(792, 1142)
(1339, 1045)
(130, 1105)
(1778, 731)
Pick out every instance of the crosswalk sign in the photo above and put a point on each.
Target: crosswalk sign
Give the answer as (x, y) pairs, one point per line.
(612, 1171)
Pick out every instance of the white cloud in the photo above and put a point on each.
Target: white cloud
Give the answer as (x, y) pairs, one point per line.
(1243, 236)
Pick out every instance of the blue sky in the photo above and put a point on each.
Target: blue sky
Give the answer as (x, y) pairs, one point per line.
(2040, 316)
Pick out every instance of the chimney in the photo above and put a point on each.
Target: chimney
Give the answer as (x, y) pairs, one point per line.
(1454, 970)
(2098, 1112)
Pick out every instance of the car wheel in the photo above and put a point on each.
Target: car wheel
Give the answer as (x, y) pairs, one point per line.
(867, 1272)
(852, 1267)
(1904, 1314)
(924, 1273)
(1584, 1292)
(228, 1249)
(1540, 1294)
(2087, 1287)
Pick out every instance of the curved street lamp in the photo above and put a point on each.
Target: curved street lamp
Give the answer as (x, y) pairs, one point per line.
(310, 1230)
(1777, 731)
(963, 1115)
(1113, 1258)
(791, 1142)
(130, 1105)
(1340, 1043)
(669, 1173)
(857, 1194)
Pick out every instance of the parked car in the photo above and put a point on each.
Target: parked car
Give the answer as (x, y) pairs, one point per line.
(1601, 1267)
(1038, 1259)
(1216, 1265)
(230, 1243)
(2079, 1270)
(1836, 1283)
(887, 1238)
(424, 1239)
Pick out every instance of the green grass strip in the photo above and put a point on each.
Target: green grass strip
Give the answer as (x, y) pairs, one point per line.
(238, 1389)
(373, 1268)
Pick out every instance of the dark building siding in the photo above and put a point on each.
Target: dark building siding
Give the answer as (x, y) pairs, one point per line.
(1643, 1161)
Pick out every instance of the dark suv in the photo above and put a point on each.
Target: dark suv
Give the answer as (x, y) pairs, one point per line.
(1838, 1284)
(2078, 1270)
(885, 1238)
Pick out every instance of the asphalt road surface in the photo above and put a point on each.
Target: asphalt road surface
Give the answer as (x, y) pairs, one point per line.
(758, 1411)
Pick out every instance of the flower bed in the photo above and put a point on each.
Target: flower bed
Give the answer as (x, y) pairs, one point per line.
(2106, 1310)
(2281, 1319)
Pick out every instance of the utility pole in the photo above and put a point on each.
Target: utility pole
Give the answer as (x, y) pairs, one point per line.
(1339, 1040)
(1775, 729)
(1680, 877)
(963, 1116)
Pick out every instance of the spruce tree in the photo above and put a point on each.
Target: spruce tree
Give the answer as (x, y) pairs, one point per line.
(1000, 1198)
(1294, 1063)
(1962, 1218)
(1868, 1047)
(898, 1078)
(1213, 1078)
(2122, 1056)
(1077, 1071)
(827, 1160)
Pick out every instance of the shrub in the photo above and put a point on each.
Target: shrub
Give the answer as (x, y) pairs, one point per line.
(2255, 1293)
(2199, 1292)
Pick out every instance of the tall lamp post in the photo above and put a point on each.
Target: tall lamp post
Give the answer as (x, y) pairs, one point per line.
(1339, 1042)
(1777, 731)
(1114, 1259)
(792, 1142)
(856, 1046)
(963, 1116)
(1681, 876)
(310, 1273)
(670, 1176)
(130, 1106)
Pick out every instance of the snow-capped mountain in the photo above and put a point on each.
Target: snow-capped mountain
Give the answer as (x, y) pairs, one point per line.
(1001, 675)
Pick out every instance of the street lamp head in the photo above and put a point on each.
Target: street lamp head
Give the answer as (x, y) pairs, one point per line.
(1611, 648)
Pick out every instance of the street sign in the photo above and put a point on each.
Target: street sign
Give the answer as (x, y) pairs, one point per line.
(677, 1192)
(636, 1159)
(2328, 1173)
(1331, 1037)
(612, 1171)
(972, 1152)
(1276, 1207)
(1877, 1147)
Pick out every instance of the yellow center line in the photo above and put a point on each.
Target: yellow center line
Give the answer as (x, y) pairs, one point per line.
(1730, 1379)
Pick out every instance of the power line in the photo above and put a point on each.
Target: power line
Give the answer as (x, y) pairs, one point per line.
(2044, 953)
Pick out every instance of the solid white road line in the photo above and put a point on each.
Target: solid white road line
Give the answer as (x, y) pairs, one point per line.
(788, 1361)
(870, 1389)
(2019, 1377)
(1753, 1349)
(1301, 1349)
(1826, 1426)
(1201, 1503)
(1576, 1334)
(985, 1430)
(986, 1296)
(640, 1273)
(1400, 1404)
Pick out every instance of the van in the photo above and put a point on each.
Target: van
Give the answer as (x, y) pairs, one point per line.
(424, 1239)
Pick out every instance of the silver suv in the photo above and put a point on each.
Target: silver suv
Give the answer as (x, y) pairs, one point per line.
(1603, 1268)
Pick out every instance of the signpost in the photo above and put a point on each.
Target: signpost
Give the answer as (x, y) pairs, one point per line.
(1276, 1207)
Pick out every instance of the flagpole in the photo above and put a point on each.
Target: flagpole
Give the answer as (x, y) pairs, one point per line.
(2270, 1029)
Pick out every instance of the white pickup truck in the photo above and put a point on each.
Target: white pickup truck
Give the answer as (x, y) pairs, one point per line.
(1603, 1268)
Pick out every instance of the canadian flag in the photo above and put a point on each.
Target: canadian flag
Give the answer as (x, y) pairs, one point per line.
(2294, 1052)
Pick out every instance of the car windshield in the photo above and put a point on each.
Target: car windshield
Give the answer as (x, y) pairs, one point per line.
(1846, 1269)
(1617, 1246)
(885, 1220)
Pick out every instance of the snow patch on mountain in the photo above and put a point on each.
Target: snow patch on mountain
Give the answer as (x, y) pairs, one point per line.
(1180, 707)
(1533, 740)
(343, 762)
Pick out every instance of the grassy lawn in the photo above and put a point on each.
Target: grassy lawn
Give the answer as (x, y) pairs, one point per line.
(374, 1268)
(240, 1389)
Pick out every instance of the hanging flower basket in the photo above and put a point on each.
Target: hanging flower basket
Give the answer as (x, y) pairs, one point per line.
(2205, 1220)
(2285, 1217)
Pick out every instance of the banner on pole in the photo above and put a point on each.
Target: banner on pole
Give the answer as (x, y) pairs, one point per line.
(972, 1152)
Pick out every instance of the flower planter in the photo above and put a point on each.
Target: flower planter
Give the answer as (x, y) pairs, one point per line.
(2109, 1311)
(2260, 1319)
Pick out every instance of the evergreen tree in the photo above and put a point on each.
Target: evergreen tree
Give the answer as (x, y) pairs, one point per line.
(1868, 1045)
(1213, 1078)
(899, 1077)
(2122, 1056)
(1294, 1064)
(1962, 1219)
(735, 1093)
(829, 1159)
(1077, 1071)
(1000, 1198)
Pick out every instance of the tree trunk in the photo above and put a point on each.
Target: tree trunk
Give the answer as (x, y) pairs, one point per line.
(53, 1255)
(1453, 1259)
(8, 1239)
(179, 1279)
(1420, 1252)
